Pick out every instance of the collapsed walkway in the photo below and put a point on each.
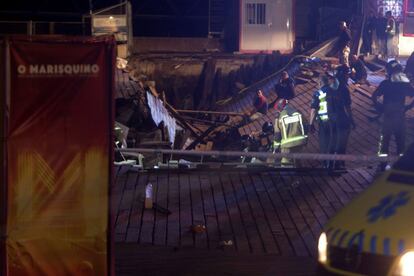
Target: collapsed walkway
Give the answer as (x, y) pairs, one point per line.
(258, 220)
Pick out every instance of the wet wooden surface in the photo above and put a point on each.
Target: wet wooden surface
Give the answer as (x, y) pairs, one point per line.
(246, 213)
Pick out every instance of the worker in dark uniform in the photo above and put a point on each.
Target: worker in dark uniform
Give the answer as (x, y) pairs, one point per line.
(341, 113)
(358, 71)
(393, 91)
(380, 28)
(285, 89)
(331, 107)
(368, 33)
(319, 113)
(344, 43)
(289, 132)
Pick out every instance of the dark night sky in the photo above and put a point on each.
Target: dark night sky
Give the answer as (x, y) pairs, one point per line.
(26, 9)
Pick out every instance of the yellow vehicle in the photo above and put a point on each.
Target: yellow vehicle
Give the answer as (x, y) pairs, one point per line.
(374, 234)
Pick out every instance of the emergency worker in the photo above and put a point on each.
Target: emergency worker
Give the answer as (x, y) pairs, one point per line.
(341, 113)
(393, 91)
(319, 113)
(331, 107)
(289, 132)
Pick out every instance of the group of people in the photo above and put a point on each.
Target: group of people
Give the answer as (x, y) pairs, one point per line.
(331, 112)
(378, 35)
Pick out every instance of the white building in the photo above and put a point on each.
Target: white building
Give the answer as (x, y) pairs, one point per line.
(266, 26)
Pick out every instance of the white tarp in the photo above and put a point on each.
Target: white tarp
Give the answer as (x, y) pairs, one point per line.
(160, 114)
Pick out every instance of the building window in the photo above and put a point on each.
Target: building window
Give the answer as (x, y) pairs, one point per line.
(255, 13)
(395, 6)
(410, 6)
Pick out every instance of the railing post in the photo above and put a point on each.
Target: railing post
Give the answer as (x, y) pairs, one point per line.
(30, 27)
(51, 27)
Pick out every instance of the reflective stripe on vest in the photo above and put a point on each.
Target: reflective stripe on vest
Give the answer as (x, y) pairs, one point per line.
(323, 106)
(293, 139)
(296, 117)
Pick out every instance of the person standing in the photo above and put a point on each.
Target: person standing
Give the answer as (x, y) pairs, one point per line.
(285, 89)
(319, 113)
(390, 33)
(380, 27)
(331, 107)
(341, 114)
(368, 33)
(289, 132)
(344, 43)
(393, 91)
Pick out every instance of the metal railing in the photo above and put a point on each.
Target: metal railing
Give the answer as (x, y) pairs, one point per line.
(299, 156)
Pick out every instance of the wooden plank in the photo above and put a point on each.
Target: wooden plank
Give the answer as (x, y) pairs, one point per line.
(161, 199)
(278, 228)
(134, 226)
(314, 228)
(197, 206)
(295, 214)
(186, 215)
(146, 235)
(235, 215)
(255, 241)
(258, 215)
(125, 205)
(224, 220)
(173, 220)
(271, 217)
(283, 208)
(210, 212)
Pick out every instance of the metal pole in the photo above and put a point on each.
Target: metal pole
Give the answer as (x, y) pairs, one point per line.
(299, 156)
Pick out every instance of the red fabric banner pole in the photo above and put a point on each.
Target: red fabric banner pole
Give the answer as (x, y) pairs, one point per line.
(3, 183)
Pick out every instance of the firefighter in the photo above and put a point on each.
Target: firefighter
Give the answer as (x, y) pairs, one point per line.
(289, 132)
(393, 90)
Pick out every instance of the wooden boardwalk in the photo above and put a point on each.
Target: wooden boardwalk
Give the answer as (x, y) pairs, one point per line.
(245, 212)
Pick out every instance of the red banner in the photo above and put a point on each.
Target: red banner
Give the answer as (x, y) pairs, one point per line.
(3, 186)
(59, 155)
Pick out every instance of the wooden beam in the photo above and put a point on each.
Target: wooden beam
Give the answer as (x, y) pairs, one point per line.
(210, 112)
(175, 113)
(201, 137)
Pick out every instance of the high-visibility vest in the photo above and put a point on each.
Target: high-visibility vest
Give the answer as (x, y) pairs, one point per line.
(323, 106)
(291, 129)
